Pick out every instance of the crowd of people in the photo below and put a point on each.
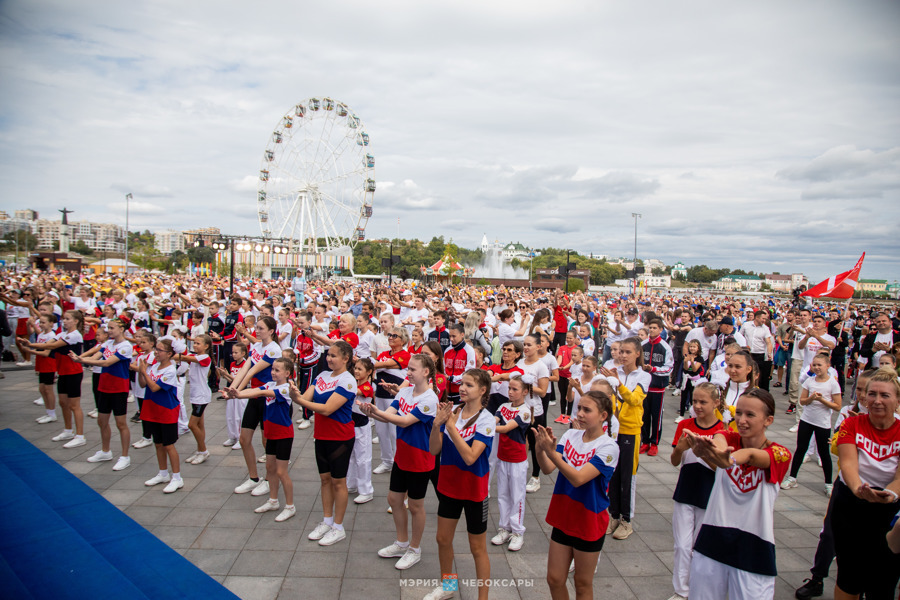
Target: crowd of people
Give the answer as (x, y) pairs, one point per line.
(458, 386)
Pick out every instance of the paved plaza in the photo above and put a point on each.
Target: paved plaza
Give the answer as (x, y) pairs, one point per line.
(257, 558)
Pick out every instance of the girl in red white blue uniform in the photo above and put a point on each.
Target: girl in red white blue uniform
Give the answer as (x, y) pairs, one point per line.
(199, 363)
(159, 412)
(412, 411)
(463, 439)
(586, 458)
(734, 554)
(278, 429)
(331, 397)
(115, 382)
(359, 473)
(695, 482)
(513, 422)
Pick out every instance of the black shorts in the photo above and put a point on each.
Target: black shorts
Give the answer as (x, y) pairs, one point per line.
(476, 512)
(254, 413)
(88, 344)
(47, 378)
(115, 403)
(69, 385)
(579, 544)
(333, 456)
(280, 448)
(411, 483)
(865, 563)
(197, 410)
(165, 434)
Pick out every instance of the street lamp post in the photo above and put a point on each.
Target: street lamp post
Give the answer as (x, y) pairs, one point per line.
(634, 264)
(127, 203)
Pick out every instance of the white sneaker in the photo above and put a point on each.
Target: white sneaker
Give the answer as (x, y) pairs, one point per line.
(794, 428)
(65, 435)
(332, 537)
(287, 513)
(677, 597)
(807, 458)
(247, 486)
(123, 463)
(174, 485)
(142, 443)
(130, 398)
(679, 419)
(534, 484)
(191, 457)
(237, 446)
(261, 459)
(516, 541)
(270, 504)
(363, 498)
(76, 442)
(375, 440)
(408, 560)
(24, 363)
(552, 403)
(261, 489)
(229, 442)
(439, 594)
(100, 456)
(47, 419)
(304, 424)
(200, 458)
(93, 414)
(676, 393)
(319, 532)
(828, 488)
(158, 479)
(351, 490)
(393, 551)
(501, 538)
(820, 460)
(381, 469)
(789, 483)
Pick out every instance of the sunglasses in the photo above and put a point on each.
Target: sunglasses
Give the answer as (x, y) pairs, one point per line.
(393, 335)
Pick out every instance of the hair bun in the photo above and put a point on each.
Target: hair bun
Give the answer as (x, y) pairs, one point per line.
(528, 379)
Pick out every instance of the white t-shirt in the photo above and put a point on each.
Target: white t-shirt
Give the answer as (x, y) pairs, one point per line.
(366, 344)
(756, 336)
(287, 328)
(817, 413)
(540, 371)
(813, 346)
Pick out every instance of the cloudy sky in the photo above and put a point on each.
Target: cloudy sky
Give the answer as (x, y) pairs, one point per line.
(761, 135)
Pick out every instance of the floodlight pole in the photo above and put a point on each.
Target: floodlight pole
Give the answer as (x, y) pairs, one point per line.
(634, 264)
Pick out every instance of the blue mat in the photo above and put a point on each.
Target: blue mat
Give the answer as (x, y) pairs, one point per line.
(61, 539)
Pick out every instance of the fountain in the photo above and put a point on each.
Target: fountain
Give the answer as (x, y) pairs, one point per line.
(494, 266)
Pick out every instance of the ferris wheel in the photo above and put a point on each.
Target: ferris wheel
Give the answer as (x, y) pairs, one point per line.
(317, 179)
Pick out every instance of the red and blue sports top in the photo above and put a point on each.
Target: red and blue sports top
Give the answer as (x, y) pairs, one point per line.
(268, 354)
(413, 452)
(457, 479)
(277, 424)
(162, 406)
(581, 511)
(512, 443)
(115, 378)
(339, 424)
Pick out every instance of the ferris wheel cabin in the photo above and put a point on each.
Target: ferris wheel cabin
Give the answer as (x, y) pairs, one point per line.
(360, 234)
(313, 104)
(370, 161)
(366, 210)
(328, 104)
(370, 185)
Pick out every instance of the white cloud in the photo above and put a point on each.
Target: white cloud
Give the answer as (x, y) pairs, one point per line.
(740, 127)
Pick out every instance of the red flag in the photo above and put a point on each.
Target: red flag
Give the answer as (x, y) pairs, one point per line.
(838, 286)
